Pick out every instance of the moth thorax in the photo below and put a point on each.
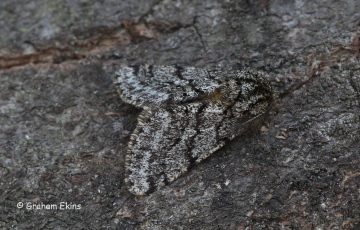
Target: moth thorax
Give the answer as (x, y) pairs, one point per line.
(229, 92)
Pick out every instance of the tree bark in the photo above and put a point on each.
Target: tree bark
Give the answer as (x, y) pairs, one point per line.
(64, 130)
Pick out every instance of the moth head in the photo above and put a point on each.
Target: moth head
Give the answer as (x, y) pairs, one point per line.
(248, 94)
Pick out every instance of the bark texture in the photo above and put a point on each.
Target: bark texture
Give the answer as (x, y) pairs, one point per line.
(64, 129)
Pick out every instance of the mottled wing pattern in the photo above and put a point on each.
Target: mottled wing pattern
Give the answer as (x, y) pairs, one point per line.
(171, 137)
(145, 85)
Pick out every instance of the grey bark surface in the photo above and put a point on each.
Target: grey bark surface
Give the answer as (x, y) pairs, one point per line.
(64, 130)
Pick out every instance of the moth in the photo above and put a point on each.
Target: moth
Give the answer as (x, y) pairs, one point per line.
(187, 114)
